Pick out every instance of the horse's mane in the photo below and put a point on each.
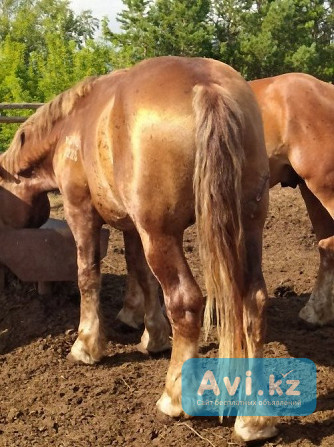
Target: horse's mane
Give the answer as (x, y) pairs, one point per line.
(60, 107)
(14, 160)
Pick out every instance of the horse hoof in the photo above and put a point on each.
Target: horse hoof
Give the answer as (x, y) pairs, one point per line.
(123, 328)
(79, 355)
(130, 319)
(248, 433)
(153, 348)
(167, 407)
(310, 316)
(85, 359)
(141, 348)
(163, 418)
(70, 357)
(149, 345)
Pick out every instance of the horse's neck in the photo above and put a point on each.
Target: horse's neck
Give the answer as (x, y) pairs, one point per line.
(44, 177)
(45, 180)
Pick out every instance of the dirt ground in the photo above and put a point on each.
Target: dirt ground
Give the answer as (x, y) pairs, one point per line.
(46, 401)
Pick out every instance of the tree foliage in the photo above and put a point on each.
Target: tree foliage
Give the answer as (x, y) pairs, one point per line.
(162, 27)
(45, 47)
(259, 38)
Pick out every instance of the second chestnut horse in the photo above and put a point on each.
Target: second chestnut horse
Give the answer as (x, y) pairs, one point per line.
(298, 116)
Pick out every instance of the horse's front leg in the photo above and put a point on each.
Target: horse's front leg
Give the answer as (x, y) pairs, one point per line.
(86, 224)
(319, 309)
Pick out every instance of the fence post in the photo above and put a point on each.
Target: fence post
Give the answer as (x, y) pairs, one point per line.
(17, 106)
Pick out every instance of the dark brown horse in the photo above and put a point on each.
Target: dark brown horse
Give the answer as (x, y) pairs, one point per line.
(298, 116)
(147, 150)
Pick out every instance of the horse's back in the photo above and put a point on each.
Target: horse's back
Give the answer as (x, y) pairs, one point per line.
(298, 115)
(295, 107)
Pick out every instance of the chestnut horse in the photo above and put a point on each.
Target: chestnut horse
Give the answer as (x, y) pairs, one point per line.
(147, 150)
(298, 117)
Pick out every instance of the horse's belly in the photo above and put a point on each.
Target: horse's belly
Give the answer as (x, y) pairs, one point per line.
(117, 220)
(108, 205)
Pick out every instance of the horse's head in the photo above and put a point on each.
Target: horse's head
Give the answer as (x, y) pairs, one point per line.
(21, 204)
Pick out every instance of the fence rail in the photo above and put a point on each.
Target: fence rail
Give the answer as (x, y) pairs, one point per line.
(17, 106)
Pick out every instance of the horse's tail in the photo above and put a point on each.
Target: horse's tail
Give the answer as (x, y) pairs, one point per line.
(217, 187)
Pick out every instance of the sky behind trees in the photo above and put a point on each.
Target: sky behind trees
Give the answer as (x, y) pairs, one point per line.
(100, 8)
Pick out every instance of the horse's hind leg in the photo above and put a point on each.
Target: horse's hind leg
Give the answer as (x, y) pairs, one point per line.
(320, 307)
(133, 310)
(254, 319)
(143, 291)
(184, 304)
(86, 225)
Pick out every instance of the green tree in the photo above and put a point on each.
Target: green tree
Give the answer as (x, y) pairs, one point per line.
(51, 34)
(161, 27)
(11, 81)
(285, 35)
(135, 42)
(44, 49)
(182, 27)
(229, 18)
(259, 38)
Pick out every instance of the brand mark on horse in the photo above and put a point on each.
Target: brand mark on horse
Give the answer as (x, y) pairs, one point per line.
(72, 144)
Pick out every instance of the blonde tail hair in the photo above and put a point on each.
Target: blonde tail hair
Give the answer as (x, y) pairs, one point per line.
(217, 187)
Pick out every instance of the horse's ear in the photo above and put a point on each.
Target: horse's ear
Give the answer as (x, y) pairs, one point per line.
(22, 138)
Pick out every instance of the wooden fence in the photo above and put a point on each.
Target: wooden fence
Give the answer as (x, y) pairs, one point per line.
(17, 106)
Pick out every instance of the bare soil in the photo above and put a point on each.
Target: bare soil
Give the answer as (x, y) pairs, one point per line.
(46, 401)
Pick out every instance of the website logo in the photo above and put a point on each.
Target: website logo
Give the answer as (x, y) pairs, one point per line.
(249, 387)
